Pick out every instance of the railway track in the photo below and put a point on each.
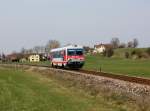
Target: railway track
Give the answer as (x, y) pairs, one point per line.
(139, 80)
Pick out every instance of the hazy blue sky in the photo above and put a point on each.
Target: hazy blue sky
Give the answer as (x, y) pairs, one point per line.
(26, 23)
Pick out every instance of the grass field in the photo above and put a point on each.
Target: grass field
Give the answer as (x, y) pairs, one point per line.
(119, 53)
(27, 91)
(115, 65)
(118, 65)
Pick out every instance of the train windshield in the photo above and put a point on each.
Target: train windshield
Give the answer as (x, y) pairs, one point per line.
(74, 52)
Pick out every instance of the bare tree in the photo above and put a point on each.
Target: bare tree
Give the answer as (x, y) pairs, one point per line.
(68, 44)
(135, 43)
(26, 51)
(86, 49)
(115, 42)
(130, 44)
(52, 44)
(30, 51)
(37, 49)
(42, 49)
(122, 45)
(108, 52)
(3, 57)
(23, 51)
(0, 57)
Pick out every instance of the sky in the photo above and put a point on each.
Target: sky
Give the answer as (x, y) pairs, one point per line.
(27, 23)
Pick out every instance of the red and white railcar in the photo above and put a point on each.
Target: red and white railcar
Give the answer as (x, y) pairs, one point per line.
(69, 56)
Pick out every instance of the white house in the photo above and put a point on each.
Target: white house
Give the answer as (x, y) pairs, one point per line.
(101, 48)
(34, 58)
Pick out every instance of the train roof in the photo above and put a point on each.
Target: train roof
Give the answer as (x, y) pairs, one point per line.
(67, 47)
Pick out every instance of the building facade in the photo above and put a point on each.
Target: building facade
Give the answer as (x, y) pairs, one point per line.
(34, 58)
(101, 48)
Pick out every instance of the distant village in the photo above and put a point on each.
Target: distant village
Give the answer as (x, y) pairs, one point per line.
(39, 53)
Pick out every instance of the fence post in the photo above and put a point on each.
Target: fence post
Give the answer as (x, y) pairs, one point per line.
(100, 69)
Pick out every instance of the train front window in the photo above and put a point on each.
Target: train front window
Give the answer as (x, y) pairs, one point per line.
(73, 52)
(79, 52)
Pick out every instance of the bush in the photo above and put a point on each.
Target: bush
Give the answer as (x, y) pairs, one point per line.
(122, 45)
(145, 55)
(133, 52)
(127, 55)
(148, 51)
(108, 52)
(137, 52)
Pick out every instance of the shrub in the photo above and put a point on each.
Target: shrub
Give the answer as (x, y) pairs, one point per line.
(122, 45)
(127, 55)
(148, 51)
(137, 52)
(145, 55)
(133, 52)
(108, 52)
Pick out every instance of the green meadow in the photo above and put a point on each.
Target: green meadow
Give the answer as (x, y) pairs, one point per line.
(138, 67)
(116, 64)
(28, 91)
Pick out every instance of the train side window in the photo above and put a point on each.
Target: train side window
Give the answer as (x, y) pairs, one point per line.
(58, 54)
(54, 55)
(62, 53)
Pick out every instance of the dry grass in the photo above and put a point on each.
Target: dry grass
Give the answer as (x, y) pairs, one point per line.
(125, 100)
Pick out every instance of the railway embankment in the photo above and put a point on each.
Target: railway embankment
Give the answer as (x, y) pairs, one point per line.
(95, 85)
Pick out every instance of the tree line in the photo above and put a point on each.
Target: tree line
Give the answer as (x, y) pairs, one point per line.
(45, 49)
(115, 43)
(42, 49)
(134, 53)
(130, 44)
